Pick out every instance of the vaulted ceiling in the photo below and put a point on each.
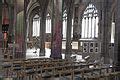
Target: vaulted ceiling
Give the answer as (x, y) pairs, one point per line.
(20, 5)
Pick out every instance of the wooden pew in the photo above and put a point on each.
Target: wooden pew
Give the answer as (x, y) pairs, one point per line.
(38, 67)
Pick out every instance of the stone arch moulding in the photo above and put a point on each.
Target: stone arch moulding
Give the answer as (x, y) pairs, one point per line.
(49, 9)
(90, 12)
(31, 8)
(31, 11)
(34, 12)
(85, 6)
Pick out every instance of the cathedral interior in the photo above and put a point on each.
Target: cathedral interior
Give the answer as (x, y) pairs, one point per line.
(59, 40)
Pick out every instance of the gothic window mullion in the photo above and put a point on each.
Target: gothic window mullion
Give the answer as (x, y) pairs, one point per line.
(83, 21)
(91, 26)
(88, 28)
(36, 26)
(84, 27)
(48, 23)
(90, 22)
(95, 27)
(64, 24)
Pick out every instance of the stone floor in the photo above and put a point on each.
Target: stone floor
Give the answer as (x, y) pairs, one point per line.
(34, 53)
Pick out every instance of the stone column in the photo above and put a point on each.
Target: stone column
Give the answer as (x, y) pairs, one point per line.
(26, 2)
(80, 15)
(105, 25)
(43, 7)
(30, 28)
(56, 29)
(42, 33)
(11, 17)
(117, 36)
(0, 15)
(69, 27)
(25, 28)
(76, 30)
(1, 38)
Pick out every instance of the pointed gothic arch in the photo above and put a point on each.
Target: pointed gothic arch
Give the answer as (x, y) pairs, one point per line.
(36, 26)
(48, 23)
(64, 29)
(90, 23)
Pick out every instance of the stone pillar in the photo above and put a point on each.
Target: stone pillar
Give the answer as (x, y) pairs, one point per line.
(76, 31)
(105, 25)
(117, 36)
(30, 28)
(42, 33)
(0, 15)
(56, 29)
(1, 40)
(80, 15)
(43, 7)
(11, 17)
(69, 27)
(26, 2)
(24, 28)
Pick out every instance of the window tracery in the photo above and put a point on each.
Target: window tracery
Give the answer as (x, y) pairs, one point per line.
(90, 23)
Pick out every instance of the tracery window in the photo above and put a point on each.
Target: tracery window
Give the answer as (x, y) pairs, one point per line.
(112, 32)
(48, 23)
(90, 23)
(36, 26)
(64, 29)
(64, 24)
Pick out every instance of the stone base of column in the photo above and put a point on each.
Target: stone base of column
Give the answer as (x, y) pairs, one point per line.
(67, 56)
(42, 53)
